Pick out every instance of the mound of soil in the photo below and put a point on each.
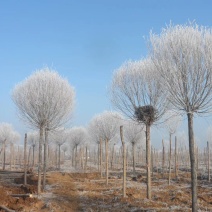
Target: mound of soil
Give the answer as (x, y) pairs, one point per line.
(15, 203)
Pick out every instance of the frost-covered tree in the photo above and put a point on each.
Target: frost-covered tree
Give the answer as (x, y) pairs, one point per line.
(32, 138)
(15, 138)
(65, 149)
(113, 142)
(137, 92)
(133, 133)
(172, 122)
(183, 57)
(76, 137)
(108, 124)
(59, 137)
(44, 101)
(7, 135)
(96, 138)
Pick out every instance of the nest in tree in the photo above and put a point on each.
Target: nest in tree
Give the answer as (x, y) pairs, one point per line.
(146, 114)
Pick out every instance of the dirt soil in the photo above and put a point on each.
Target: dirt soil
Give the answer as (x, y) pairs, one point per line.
(17, 203)
(94, 195)
(70, 192)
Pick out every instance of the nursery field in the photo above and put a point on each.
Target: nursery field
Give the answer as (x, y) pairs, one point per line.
(72, 190)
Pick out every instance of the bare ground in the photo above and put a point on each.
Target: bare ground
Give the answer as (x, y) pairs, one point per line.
(88, 192)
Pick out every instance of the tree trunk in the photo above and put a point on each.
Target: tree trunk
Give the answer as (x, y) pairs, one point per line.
(33, 156)
(176, 159)
(25, 159)
(148, 160)
(14, 156)
(133, 155)
(163, 159)
(75, 158)
(82, 157)
(193, 162)
(59, 145)
(72, 157)
(127, 157)
(56, 158)
(11, 156)
(208, 145)
(112, 157)
(138, 156)
(106, 151)
(100, 157)
(157, 160)
(18, 158)
(124, 161)
(45, 158)
(4, 154)
(28, 160)
(40, 159)
(188, 160)
(197, 153)
(48, 152)
(152, 161)
(86, 158)
(170, 157)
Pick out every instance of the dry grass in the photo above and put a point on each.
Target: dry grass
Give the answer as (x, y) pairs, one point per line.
(70, 192)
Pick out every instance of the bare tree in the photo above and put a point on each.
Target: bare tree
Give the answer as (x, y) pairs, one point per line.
(183, 57)
(137, 92)
(44, 101)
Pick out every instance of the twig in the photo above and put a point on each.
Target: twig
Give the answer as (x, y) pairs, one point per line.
(6, 209)
(23, 195)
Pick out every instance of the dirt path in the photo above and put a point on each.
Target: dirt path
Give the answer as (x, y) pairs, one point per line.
(61, 194)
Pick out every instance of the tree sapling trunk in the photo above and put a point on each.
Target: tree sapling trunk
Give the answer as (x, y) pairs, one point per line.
(193, 163)
(25, 159)
(148, 161)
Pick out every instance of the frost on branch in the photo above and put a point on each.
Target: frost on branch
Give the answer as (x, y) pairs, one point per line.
(137, 92)
(44, 98)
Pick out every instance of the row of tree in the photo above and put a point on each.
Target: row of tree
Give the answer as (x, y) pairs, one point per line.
(135, 154)
(176, 75)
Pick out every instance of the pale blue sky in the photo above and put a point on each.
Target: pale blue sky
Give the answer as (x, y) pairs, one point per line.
(85, 41)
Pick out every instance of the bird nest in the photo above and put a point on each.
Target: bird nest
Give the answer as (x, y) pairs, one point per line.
(145, 114)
